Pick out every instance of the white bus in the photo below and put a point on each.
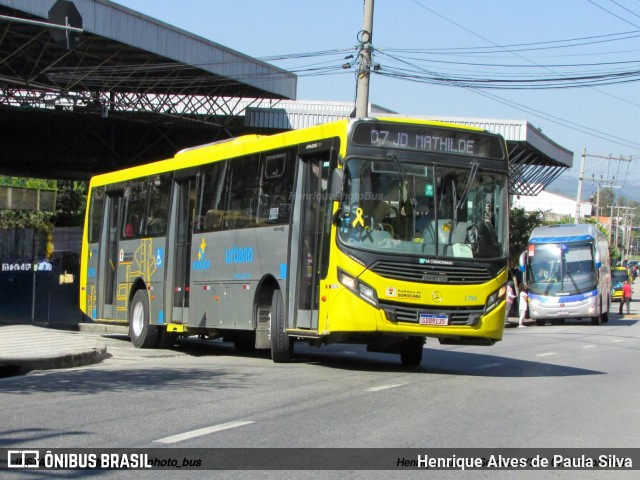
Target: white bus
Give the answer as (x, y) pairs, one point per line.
(566, 268)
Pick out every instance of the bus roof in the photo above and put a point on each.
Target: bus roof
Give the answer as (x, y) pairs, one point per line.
(565, 233)
(248, 144)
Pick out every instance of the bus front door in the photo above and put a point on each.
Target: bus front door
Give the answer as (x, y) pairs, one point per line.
(307, 253)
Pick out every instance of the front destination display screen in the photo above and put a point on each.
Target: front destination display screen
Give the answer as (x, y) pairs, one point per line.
(426, 138)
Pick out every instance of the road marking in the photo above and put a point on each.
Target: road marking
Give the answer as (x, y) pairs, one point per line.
(588, 346)
(487, 365)
(202, 431)
(384, 387)
(617, 340)
(548, 354)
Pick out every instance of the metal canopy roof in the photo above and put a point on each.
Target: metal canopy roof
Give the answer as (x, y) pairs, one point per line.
(132, 90)
(535, 159)
(126, 54)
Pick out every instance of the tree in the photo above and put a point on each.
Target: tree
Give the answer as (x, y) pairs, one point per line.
(607, 199)
(520, 227)
(70, 204)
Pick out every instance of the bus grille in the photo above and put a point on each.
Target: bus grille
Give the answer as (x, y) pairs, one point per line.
(411, 314)
(437, 274)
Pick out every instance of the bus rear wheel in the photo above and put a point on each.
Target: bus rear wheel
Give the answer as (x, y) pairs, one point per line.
(141, 333)
(411, 351)
(281, 344)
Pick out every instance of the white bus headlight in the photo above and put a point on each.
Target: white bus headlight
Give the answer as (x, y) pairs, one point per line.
(347, 280)
(361, 289)
(368, 293)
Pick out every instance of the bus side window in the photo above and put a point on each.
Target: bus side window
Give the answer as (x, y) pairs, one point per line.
(135, 202)
(159, 197)
(132, 225)
(275, 188)
(211, 198)
(96, 213)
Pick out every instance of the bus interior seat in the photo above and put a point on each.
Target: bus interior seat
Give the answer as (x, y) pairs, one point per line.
(156, 225)
(213, 220)
(376, 210)
(459, 233)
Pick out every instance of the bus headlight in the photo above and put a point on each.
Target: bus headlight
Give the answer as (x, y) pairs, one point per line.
(361, 289)
(495, 298)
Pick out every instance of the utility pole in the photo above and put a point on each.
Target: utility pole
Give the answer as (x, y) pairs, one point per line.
(626, 224)
(581, 176)
(629, 231)
(608, 183)
(364, 66)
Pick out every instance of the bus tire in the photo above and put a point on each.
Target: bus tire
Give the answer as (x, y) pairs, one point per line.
(605, 316)
(597, 320)
(281, 344)
(540, 322)
(141, 333)
(411, 351)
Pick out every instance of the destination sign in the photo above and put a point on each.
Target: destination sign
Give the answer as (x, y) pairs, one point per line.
(427, 138)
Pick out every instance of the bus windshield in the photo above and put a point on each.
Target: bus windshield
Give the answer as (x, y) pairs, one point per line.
(394, 206)
(618, 277)
(560, 269)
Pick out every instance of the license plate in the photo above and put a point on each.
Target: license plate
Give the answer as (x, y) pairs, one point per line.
(431, 319)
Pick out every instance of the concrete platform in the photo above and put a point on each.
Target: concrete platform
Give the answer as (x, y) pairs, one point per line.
(24, 348)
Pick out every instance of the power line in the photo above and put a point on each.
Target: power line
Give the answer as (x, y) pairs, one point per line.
(612, 14)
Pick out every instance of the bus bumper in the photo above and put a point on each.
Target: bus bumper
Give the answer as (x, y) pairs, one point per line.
(540, 310)
(349, 313)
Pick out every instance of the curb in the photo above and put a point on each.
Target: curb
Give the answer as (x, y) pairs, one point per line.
(102, 328)
(20, 366)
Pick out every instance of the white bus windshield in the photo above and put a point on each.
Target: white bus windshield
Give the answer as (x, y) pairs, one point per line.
(559, 269)
(396, 206)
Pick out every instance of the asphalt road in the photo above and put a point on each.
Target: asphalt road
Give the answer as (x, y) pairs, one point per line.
(572, 385)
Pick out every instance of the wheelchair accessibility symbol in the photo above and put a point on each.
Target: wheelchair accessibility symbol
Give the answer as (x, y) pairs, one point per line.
(159, 257)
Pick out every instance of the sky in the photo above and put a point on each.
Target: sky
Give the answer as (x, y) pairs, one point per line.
(571, 66)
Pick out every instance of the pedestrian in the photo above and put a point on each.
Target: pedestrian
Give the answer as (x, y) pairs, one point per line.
(523, 304)
(626, 296)
(511, 295)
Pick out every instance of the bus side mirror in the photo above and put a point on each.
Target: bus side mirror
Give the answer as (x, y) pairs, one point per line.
(335, 185)
(522, 261)
(598, 260)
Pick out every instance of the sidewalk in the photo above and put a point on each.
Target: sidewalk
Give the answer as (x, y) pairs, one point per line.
(24, 348)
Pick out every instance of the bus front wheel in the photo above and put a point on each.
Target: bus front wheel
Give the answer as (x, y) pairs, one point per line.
(411, 351)
(281, 344)
(597, 320)
(141, 333)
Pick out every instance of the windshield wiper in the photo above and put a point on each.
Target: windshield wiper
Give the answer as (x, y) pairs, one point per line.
(465, 191)
(405, 178)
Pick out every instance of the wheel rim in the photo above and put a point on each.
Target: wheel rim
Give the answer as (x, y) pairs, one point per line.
(137, 320)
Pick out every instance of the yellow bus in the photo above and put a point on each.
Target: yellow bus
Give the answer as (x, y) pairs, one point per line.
(378, 231)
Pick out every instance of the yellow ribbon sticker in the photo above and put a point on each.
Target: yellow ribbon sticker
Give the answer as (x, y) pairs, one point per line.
(358, 218)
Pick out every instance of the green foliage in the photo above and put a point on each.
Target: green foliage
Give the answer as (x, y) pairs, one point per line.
(36, 220)
(614, 254)
(28, 182)
(70, 204)
(520, 227)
